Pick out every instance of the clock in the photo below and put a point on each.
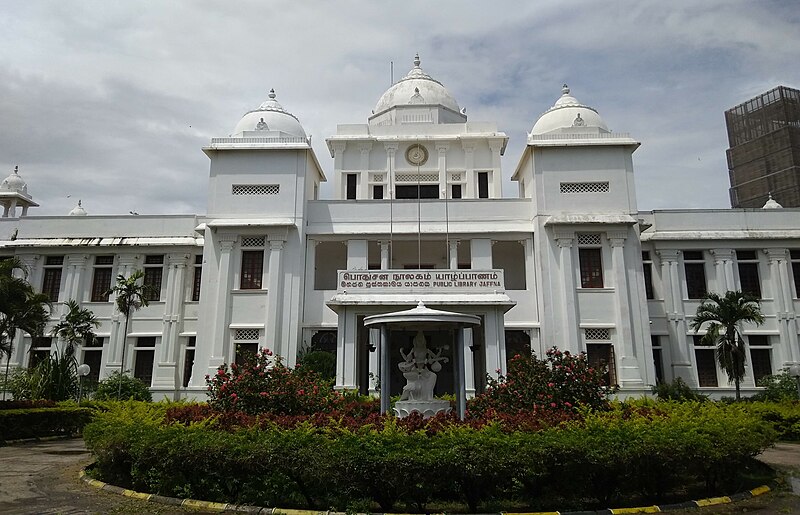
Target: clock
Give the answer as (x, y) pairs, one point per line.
(417, 155)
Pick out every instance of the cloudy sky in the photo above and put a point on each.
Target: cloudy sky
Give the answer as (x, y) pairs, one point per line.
(111, 102)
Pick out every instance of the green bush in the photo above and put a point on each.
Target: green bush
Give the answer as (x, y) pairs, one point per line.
(54, 378)
(777, 388)
(635, 452)
(263, 384)
(561, 382)
(677, 390)
(132, 389)
(784, 417)
(37, 422)
(321, 362)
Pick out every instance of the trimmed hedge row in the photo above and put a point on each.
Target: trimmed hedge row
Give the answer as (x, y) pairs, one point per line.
(16, 424)
(635, 452)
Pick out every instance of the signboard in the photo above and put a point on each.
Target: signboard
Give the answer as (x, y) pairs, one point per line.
(421, 281)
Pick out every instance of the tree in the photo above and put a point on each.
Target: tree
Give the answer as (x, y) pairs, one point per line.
(77, 328)
(724, 315)
(130, 296)
(21, 308)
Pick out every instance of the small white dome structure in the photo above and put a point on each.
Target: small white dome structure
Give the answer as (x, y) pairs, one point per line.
(417, 87)
(272, 118)
(14, 194)
(14, 183)
(772, 203)
(78, 210)
(568, 113)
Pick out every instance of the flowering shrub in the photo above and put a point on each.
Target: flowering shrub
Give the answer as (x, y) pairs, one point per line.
(561, 382)
(263, 384)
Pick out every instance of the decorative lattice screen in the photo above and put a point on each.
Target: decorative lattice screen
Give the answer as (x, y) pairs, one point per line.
(597, 335)
(413, 177)
(247, 334)
(589, 239)
(584, 187)
(377, 177)
(255, 189)
(253, 241)
(455, 177)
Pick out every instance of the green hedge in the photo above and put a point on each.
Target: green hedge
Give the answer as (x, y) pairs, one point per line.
(784, 417)
(635, 453)
(37, 422)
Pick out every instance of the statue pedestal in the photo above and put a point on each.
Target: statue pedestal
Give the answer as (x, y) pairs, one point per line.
(426, 408)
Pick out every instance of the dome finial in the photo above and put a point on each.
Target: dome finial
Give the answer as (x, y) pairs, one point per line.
(416, 60)
(771, 203)
(272, 94)
(565, 90)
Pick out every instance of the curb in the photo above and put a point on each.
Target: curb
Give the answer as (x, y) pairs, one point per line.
(238, 508)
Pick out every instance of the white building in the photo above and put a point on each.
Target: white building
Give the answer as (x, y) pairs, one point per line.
(417, 215)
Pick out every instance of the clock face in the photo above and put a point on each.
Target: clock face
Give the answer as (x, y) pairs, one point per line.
(416, 155)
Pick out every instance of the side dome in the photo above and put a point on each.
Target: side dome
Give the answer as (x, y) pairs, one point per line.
(78, 210)
(568, 113)
(417, 87)
(272, 117)
(14, 183)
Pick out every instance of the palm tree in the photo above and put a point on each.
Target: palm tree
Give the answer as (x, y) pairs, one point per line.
(77, 327)
(21, 308)
(131, 295)
(724, 315)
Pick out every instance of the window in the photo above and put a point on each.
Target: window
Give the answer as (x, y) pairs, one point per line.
(101, 279)
(153, 272)
(658, 361)
(601, 356)
(517, 343)
(694, 268)
(747, 263)
(483, 184)
(252, 269)
(245, 343)
(144, 354)
(647, 264)
(93, 356)
(351, 186)
(377, 192)
(417, 191)
(591, 265)
(706, 367)
(188, 360)
(40, 350)
(51, 284)
(795, 257)
(456, 191)
(198, 276)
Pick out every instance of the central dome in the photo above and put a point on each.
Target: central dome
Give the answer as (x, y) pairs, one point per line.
(417, 87)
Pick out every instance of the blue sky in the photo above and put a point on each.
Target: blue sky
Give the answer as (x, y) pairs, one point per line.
(111, 101)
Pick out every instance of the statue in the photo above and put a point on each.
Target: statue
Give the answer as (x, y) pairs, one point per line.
(419, 367)
(262, 125)
(579, 122)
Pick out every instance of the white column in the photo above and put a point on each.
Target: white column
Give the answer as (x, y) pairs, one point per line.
(19, 353)
(723, 268)
(469, 167)
(391, 149)
(494, 343)
(630, 373)
(168, 351)
(118, 339)
(76, 265)
(441, 148)
(346, 350)
(453, 251)
(220, 334)
(275, 299)
(385, 265)
(374, 362)
(497, 177)
(676, 327)
(481, 250)
(364, 148)
(338, 160)
(469, 363)
(572, 340)
(357, 254)
(777, 259)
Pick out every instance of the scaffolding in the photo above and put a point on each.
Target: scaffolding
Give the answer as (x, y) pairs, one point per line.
(764, 153)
